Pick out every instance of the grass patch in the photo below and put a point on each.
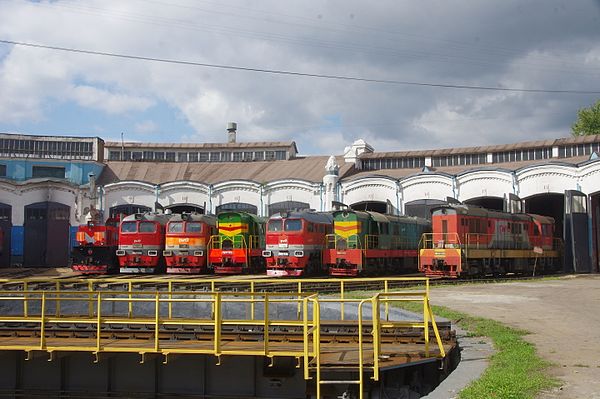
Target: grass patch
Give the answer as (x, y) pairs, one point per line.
(515, 370)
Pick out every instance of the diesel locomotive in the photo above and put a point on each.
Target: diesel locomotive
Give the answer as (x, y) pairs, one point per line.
(238, 246)
(295, 242)
(141, 243)
(371, 243)
(96, 245)
(185, 243)
(473, 241)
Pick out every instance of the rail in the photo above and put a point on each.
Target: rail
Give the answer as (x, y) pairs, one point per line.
(62, 303)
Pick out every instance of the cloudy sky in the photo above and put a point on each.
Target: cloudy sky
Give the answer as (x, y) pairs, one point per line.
(546, 44)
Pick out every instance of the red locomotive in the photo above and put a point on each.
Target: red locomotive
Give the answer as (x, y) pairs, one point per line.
(470, 240)
(295, 242)
(97, 242)
(141, 243)
(186, 242)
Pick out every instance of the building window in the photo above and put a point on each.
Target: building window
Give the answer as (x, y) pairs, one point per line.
(2, 170)
(225, 156)
(259, 155)
(170, 156)
(248, 156)
(114, 155)
(49, 171)
(280, 155)
(159, 155)
(215, 156)
(237, 156)
(148, 156)
(126, 156)
(269, 155)
(182, 157)
(136, 155)
(193, 157)
(203, 157)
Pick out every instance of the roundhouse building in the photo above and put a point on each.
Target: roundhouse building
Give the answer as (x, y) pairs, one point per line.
(46, 179)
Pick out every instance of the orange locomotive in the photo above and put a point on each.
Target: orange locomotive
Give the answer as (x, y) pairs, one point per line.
(186, 242)
(470, 240)
(94, 252)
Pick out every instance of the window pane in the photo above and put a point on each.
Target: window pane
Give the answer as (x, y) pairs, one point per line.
(182, 157)
(48, 171)
(159, 155)
(293, 225)
(147, 227)
(128, 227)
(193, 227)
(170, 157)
(175, 227)
(274, 225)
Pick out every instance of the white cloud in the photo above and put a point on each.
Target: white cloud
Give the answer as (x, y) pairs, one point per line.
(145, 127)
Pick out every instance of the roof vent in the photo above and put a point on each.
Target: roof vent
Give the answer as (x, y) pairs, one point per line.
(231, 132)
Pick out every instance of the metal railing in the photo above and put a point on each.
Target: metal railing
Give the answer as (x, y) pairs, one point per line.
(63, 302)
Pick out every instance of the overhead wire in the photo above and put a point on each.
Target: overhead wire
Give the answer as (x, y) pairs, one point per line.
(296, 73)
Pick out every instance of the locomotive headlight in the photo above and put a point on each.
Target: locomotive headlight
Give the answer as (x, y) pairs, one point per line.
(298, 254)
(167, 253)
(198, 253)
(267, 254)
(152, 253)
(120, 252)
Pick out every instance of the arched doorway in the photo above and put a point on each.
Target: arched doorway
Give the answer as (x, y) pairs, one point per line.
(493, 203)
(549, 204)
(287, 206)
(185, 208)
(6, 230)
(46, 235)
(237, 206)
(374, 206)
(127, 209)
(422, 207)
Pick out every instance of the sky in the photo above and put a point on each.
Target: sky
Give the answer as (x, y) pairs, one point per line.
(518, 44)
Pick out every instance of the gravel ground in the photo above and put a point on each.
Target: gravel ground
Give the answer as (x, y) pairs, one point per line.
(562, 315)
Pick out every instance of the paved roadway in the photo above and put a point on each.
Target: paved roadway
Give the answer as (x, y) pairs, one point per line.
(562, 315)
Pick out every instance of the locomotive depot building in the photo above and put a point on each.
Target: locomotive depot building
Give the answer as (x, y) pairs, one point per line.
(49, 183)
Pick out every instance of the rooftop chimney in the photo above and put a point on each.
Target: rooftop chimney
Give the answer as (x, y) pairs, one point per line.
(231, 132)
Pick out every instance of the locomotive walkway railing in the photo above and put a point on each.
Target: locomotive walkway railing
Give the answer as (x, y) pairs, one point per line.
(273, 323)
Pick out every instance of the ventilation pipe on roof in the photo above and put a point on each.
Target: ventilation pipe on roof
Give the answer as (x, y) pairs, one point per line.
(231, 132)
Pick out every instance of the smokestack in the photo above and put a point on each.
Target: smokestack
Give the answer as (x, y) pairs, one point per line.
(231, 132)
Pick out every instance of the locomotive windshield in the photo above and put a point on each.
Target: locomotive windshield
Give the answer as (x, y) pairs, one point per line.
(129, 227)
(293, 225)
(176, 227)
(193, 227)
(147, 227)
(275, 225)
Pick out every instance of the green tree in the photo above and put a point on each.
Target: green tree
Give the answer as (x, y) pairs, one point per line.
(588, 121)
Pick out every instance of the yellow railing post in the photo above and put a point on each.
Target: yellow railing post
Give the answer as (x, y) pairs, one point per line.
(130, 303)
(213, 303)
(170, 288)
(266, 321)
(305, 339)
(156, 319)
(217, 320)
(426, 323)
(252, 298)
(43, 322)
(360, 350)
(317, 343)
(299, 309)
(376, 335)
(98, 321)
(437, 333)
(342, 300)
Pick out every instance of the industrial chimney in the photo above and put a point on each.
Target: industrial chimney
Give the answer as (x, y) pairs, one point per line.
(231, 132)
